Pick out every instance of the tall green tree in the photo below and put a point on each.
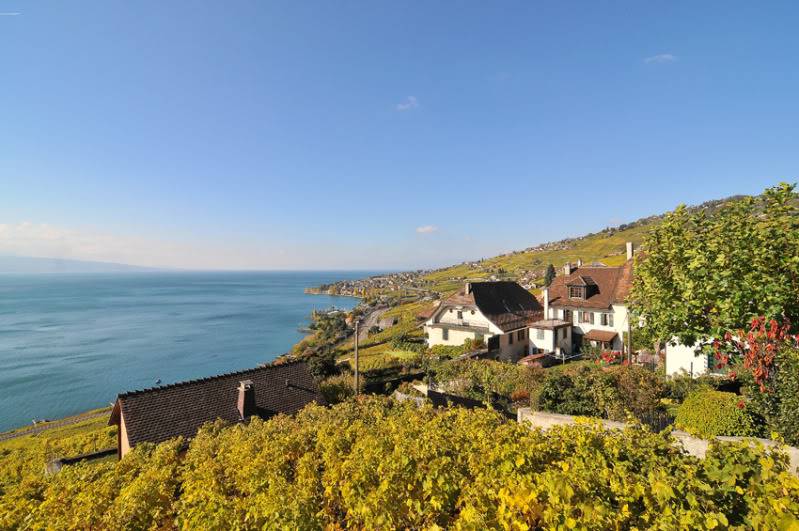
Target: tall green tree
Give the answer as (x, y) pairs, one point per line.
(549, 275)
(703, 274)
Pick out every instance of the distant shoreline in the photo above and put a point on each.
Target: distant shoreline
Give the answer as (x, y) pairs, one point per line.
(319, 291)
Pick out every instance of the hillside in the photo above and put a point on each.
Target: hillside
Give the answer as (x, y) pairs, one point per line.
(525, 266)
(402, 296)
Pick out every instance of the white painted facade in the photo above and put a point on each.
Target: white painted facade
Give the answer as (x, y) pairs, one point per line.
(555, 340)
(618, 313)
(450, 337)
(452, 325)
(684, 359)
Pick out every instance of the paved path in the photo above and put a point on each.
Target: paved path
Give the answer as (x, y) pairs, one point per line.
(372, 319)
(50, 425)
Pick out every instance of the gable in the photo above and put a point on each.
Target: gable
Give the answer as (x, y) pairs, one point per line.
(507, 305)
(603, 287)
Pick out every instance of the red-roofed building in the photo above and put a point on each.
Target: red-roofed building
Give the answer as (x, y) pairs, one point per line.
(592, 300)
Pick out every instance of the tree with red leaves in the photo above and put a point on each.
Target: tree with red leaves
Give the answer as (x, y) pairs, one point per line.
(766, 361)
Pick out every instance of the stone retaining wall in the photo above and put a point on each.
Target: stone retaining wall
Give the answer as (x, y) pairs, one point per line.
(692, 445)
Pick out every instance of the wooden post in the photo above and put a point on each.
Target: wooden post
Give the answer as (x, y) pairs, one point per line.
(357, 374)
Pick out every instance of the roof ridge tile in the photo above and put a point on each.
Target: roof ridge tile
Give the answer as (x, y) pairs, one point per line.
(206, 378)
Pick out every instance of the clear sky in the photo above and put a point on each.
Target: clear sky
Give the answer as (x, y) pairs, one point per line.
(299, 134)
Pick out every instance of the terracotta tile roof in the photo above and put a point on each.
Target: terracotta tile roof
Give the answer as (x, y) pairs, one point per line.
(161, 413)
(600, 335)
(610, 285)
(427, 313)
(581, 280)
(506, 304)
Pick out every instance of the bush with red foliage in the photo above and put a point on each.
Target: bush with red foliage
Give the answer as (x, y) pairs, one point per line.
(756, 349)
(610, 357)
(765, 360)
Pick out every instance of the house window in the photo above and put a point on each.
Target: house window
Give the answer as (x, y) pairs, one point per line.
(520, 335)
(576, 292)
(587, 317)
(607, 319)
(445, 334)
(510, 338)
(460, 314)
(567, 315)
(539, 334)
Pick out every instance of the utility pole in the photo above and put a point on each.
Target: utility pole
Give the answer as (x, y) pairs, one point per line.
(357, 375)
(629, 340)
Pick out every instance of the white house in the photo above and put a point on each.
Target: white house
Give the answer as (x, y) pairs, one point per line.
(496, 312)
(587, 304)
(552, 336)
(684, 359)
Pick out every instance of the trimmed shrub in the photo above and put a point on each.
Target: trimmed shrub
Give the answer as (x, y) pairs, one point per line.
(707, 413)
(588, 391)
(640, 389)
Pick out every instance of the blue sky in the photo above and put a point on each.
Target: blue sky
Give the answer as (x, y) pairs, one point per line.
(255, 134)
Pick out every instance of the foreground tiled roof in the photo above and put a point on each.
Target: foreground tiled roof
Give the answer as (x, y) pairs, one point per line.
(161, 413)
(611, 285)
(506, 304)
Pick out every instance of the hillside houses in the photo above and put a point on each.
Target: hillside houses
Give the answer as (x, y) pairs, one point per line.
(585, 305)
(497, 313)
(592, 301)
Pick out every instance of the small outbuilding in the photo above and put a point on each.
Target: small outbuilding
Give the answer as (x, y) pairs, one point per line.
(178, 410)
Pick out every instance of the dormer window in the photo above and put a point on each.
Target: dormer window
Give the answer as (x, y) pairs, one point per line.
(581, 287)
(577, 292)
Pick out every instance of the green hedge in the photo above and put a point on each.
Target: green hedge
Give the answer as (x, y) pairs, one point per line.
(708, 413)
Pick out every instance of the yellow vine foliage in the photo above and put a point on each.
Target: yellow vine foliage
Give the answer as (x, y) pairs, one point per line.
(375, 464)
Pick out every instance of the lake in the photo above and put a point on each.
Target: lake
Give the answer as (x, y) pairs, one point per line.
(69, 343)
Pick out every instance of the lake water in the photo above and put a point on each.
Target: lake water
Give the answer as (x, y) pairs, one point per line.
(69, 343)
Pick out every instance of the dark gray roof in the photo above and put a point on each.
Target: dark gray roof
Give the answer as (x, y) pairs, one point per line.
(161, 413)
(506, 304)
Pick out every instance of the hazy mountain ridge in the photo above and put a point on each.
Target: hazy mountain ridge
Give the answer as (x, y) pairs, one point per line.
(10, 264)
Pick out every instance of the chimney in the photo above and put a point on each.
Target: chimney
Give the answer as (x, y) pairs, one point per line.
(567, 268)
(246, 403)
(579, 262)
(629, 250)
(546, 303)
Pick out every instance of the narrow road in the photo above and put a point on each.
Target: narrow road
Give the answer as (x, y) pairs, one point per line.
(54, 424)
(371, 320)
